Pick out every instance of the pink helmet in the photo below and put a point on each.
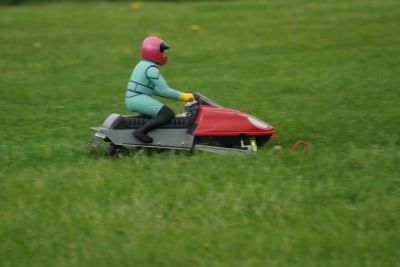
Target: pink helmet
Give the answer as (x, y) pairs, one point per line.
(153, 49)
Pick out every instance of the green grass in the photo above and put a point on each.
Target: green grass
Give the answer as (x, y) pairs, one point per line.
(326, 72)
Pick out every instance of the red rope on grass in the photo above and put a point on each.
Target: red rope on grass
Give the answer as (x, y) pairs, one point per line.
(301, 142)
(279, 139)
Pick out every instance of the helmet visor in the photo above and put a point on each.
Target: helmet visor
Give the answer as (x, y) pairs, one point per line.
(163, 47)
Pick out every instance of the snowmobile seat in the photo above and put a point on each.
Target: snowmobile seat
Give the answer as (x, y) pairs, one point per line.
(134, 122)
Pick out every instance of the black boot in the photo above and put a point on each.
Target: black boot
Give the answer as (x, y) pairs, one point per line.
(164, 116)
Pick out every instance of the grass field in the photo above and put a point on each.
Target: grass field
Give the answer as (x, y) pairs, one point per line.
(327, 72)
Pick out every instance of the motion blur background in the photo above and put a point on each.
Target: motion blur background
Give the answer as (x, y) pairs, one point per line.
(14, 2)
(324, 71)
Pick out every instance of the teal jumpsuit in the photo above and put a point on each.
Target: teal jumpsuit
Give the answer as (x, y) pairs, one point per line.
(146, 81)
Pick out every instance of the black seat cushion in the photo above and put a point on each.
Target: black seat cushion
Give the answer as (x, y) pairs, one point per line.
(134, 122)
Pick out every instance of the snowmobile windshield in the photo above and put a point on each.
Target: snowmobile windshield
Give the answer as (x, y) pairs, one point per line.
(206, 101)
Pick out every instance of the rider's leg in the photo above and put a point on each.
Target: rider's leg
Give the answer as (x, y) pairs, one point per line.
(143, 104)
(164, 116)
(159, 114)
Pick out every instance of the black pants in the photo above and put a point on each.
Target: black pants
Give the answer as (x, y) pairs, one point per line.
(164, 116)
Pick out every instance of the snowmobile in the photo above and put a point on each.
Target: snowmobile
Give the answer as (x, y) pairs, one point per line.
(204, 125)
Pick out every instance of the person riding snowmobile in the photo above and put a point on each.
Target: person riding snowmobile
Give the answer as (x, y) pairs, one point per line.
(146, 80)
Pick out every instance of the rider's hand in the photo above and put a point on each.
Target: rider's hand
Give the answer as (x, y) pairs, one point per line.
(186, 97)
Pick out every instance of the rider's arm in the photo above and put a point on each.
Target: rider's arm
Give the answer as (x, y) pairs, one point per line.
(161, 87)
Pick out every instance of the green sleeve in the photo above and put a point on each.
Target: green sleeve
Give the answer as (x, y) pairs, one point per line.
(161, 87)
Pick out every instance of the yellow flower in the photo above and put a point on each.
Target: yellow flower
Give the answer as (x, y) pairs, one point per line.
(156, 34)
(136, 5)
(288, 14)
(194, 27)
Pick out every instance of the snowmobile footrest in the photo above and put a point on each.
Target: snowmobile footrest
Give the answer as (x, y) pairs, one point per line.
(222, 150)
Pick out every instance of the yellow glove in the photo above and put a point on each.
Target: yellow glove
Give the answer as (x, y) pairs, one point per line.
(186, 97)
